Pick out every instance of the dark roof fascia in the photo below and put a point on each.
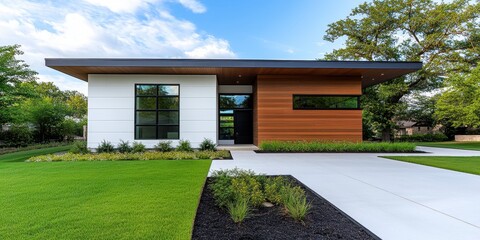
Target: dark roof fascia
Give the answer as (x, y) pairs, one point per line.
(227, 63)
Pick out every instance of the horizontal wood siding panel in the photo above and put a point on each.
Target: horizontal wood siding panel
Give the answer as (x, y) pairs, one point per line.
(275, 118)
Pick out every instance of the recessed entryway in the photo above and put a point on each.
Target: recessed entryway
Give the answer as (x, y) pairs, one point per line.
(235, 116)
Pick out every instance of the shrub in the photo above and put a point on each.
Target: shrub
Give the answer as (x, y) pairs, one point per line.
(18, 136)
(184, 146)
(138, 147)
(207, 145)
(295, 202)
(429, 137)
(124, 147)
(318, 146)
(273, 188)
(238, 210)
(221, 185)
(164, 146)
(222, 191)
(248, 187)
(105, 147)
(80, 147)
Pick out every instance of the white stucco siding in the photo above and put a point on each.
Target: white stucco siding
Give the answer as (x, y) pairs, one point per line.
(111, 100)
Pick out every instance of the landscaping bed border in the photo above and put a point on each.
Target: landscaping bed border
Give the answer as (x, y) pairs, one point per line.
(222, 226)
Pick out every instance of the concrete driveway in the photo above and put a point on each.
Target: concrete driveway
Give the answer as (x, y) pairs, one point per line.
(393, 199)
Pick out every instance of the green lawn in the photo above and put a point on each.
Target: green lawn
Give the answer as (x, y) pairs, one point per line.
(455, 145)
(24, 155)
(99, 200)
(461, 164)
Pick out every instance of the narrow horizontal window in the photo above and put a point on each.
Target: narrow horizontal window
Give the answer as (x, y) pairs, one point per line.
(322, 102)
(157, 113)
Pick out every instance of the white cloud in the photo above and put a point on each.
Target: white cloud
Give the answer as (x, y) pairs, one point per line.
(145, 28)
(120, 6)
(193, 5)
(212, 49)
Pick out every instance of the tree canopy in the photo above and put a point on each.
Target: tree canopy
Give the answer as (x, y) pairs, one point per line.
(13, 72)
(26, 103)
(444, 36)
(460, 103)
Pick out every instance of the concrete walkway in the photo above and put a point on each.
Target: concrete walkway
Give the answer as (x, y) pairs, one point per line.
(393, 199)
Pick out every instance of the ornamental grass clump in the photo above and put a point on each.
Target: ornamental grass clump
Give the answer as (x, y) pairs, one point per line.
(105, 147)
(239, 209)
(138, 147)
(124, 147)
(184, 146)
(164, 146)
(207, 145)
(295, 202)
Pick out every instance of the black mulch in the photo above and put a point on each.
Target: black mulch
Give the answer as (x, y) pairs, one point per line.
(324, 221)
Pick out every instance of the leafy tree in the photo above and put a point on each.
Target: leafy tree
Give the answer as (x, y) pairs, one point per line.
(460, 103)
(421, 108)
(47, 115)
(77, 104)
(444, 36)
(13, 73)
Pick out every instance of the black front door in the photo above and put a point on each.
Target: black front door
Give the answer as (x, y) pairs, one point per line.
(243, 126)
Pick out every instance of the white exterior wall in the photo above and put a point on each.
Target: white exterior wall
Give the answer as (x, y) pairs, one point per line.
(111, 107)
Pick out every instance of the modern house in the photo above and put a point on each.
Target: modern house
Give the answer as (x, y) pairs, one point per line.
(229, 101)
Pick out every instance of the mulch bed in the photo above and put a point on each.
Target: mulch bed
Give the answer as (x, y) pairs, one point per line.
(324, 221)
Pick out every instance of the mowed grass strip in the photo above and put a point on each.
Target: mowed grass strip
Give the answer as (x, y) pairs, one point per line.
(100, 200)
(460, 164)
(24, 155)
(455, 145)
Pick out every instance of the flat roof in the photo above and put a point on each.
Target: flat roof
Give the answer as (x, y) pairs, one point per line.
(229, 70)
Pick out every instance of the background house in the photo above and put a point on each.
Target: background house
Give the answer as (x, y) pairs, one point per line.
(411, 127)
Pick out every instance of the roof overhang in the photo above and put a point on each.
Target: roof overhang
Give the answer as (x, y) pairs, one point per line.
(371, 72)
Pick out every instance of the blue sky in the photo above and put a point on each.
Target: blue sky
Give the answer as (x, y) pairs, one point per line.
(251, 29)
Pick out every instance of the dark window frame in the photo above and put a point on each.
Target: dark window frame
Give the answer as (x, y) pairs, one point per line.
(326, 95)
(156, 110)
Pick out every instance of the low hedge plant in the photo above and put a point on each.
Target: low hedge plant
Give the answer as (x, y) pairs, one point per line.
(132, 156)
(428, 137)
(320, 146)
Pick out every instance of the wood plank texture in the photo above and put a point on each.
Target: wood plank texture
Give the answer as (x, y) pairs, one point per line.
(275, 119)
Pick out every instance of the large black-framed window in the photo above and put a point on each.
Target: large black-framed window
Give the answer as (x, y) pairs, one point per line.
(228, 103)
(325, 102)
(157, 113)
